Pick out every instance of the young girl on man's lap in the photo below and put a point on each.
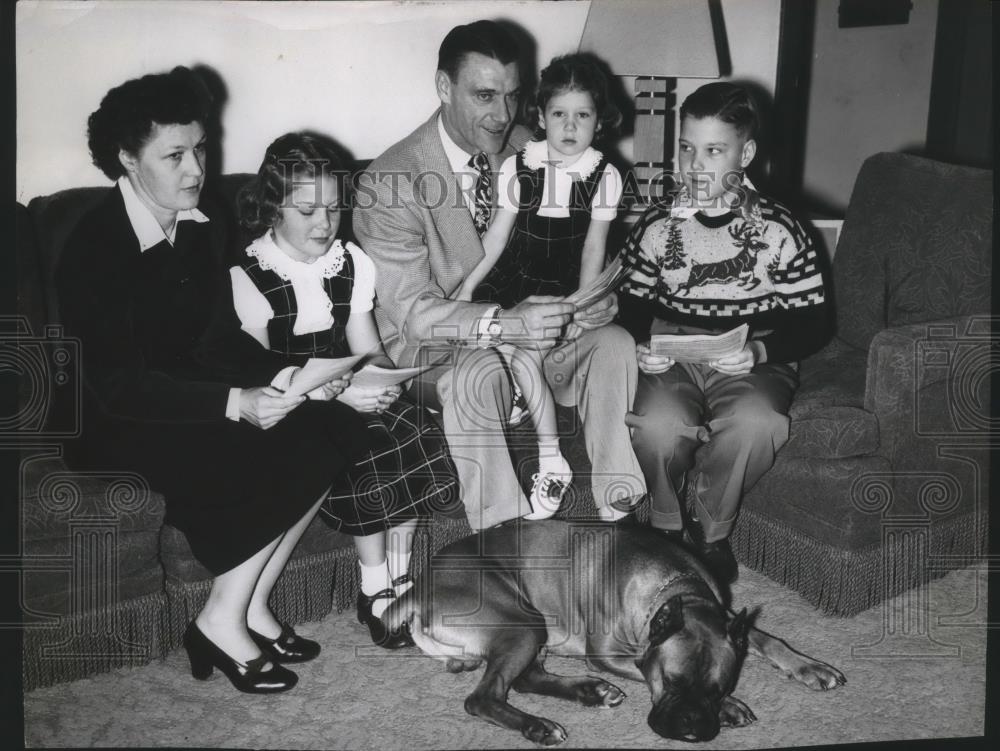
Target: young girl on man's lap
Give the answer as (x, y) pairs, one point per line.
(557, 198)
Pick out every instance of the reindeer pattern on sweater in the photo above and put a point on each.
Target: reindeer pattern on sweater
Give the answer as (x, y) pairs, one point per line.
(729, 266)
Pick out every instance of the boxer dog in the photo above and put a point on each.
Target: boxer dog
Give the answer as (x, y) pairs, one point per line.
(623, 598)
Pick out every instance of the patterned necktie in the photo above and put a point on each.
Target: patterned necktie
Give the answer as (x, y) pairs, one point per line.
(483, 201)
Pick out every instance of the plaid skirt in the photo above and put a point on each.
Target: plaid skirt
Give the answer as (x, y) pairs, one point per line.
(407, 474)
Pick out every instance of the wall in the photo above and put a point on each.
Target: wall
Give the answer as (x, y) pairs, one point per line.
(870, 92)
(361, 72)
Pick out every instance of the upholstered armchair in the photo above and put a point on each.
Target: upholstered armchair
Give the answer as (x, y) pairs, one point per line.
(884, 481)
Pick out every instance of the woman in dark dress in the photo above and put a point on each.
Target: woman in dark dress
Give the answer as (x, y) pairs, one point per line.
(175, 391)
(300, 289)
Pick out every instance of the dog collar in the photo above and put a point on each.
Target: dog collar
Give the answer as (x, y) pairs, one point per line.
(656, 603)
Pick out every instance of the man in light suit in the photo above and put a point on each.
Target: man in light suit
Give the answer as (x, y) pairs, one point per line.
(416, 217)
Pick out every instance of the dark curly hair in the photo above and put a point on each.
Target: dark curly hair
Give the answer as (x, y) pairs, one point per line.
(128, 112)
(579, 72)
(289, 160)
(726, 101)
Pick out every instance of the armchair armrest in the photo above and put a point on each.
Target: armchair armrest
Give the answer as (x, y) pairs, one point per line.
(930, 380)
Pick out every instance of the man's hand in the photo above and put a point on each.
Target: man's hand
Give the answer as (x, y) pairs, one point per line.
(265, 406)
(599, 314)
(537, 322)
(650, 363)
(742, 362)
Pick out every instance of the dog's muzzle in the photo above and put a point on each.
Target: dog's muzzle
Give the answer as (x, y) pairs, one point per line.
(684, 719)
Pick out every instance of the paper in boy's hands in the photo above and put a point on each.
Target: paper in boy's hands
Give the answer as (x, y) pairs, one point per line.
(320, 370)
(699, 348)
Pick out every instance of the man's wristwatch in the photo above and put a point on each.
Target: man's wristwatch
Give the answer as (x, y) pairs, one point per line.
(491, 328)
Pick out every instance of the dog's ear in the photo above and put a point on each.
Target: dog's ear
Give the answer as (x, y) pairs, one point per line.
(739, 626)
(667, 621)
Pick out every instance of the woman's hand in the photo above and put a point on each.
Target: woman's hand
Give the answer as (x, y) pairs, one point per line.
(650, 363)
(370, 399)
(740, 363)
(265, 406)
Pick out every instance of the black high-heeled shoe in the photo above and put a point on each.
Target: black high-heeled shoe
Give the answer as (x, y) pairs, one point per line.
(289, 647)
(205, 655)
(381, 636)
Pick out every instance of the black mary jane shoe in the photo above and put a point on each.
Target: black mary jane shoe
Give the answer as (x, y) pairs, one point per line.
(289, 647)
(381, 636)
(249, 677)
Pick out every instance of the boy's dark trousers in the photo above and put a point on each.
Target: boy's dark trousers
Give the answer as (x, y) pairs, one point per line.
(734, 424)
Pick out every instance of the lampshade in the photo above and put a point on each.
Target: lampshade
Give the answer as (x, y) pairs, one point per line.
(670, 38)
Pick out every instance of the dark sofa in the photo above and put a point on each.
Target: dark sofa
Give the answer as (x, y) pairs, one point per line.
(882, 485)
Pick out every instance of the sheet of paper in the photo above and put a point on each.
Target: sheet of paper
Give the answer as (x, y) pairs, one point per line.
(373, 376)
(699, 348)
(603, 285)
(320, 370)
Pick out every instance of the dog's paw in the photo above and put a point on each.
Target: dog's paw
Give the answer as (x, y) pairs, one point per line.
(600, 693)
(818, 675)
(544, 732)
(735, 714)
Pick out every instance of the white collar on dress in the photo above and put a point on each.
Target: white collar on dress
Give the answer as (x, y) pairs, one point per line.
(272, 258)
(146, 227)
(536, 156)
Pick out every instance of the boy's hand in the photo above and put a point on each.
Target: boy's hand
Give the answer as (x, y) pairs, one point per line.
(597, 315)
(650, 363)
(740, 363)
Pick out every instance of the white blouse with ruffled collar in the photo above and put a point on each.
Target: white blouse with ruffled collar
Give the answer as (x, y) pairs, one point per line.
(313, 304)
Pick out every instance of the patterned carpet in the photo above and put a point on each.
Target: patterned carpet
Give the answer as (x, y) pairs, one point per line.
(909, 677)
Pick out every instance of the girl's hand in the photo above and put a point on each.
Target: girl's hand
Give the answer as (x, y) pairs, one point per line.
(650, 363)
(362, 399)
(740, 363)
(391, 394)
(329, 390)
(599, 314)
(265, 406)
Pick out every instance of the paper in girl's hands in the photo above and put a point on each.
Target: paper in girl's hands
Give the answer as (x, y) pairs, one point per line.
(320, 370)
(602, 286)
(373, 376)
(699, 348)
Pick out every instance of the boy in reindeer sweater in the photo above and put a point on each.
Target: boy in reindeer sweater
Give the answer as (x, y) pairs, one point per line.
(719, 255)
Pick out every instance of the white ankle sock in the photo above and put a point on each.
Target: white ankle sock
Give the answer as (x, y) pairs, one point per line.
(373, 580)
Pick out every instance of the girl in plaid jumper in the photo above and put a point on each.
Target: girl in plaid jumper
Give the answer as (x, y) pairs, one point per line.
(557, 198)
(298, 289)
